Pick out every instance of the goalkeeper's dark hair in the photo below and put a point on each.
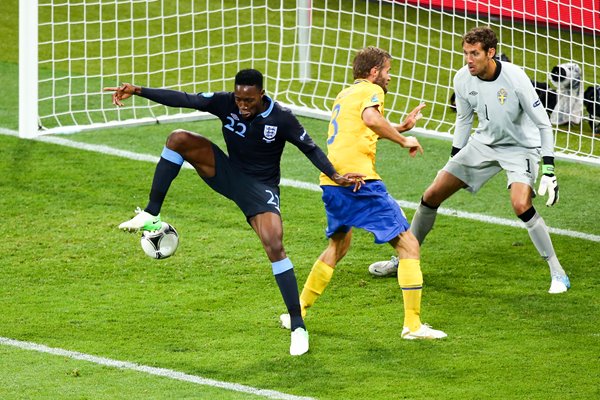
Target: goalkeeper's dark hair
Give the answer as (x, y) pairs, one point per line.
(368, 58)
(249, 77)
(483, 35)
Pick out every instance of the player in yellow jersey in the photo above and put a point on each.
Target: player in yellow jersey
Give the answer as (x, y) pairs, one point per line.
(356, 124)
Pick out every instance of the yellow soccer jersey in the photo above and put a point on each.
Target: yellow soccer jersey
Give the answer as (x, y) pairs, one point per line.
(351, 145)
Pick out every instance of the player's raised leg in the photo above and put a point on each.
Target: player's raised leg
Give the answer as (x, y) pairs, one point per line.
(181, 145)
(166, 171)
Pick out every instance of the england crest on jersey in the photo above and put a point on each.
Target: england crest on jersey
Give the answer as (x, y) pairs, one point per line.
(269, 133)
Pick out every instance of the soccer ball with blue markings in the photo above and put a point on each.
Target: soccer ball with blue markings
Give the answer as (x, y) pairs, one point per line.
(161, 243)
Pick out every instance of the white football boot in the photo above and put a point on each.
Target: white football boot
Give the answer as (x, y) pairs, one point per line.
(286, 321)
(142, 221)
(424, 332)
(384, 268)
(560, 284)
(299, 344)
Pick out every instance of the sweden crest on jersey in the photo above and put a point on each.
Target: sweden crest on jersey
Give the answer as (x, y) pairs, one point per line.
(269, 133)
(502, 94)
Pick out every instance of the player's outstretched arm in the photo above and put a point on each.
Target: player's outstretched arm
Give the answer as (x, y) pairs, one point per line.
(320, 160)
(167, 97)
(351, 178)
(384, 129)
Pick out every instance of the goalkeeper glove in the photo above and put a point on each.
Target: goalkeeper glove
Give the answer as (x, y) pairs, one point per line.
(548, 182)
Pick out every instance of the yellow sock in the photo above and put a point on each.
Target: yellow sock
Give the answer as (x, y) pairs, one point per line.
(410, 279)
(317, 281)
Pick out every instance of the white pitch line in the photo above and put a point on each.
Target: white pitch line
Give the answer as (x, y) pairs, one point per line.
(167, 373)
(308, 186)
(516, 223)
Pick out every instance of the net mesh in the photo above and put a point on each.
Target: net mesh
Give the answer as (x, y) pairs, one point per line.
(199, 45)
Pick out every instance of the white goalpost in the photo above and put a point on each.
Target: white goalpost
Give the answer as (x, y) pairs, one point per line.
(28, 70)
(70, 49)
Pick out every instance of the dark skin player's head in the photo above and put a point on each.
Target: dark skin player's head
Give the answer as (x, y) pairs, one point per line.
(249, 93)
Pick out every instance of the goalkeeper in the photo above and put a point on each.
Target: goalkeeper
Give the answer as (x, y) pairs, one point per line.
(514, 132)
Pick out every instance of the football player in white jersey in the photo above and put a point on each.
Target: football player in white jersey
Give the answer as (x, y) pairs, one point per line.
(513, 134)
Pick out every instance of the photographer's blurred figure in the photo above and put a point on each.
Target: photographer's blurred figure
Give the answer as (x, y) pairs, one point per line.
(569, 93)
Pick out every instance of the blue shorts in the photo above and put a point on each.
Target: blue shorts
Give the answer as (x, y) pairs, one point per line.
(371, 208)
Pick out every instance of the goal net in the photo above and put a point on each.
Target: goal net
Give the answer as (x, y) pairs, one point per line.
(71, 49)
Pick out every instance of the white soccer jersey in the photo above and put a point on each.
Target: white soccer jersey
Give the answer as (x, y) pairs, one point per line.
(508, 109)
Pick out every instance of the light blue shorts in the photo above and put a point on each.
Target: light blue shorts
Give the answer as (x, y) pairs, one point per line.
(371, 208)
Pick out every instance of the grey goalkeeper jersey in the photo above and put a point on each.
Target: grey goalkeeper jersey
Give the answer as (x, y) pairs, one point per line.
(508, 109)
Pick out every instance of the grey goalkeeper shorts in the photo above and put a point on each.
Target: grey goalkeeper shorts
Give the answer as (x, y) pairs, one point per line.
(477, 163)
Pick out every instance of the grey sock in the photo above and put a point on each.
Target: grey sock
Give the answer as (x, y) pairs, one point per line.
(423, 222)
(538, 232)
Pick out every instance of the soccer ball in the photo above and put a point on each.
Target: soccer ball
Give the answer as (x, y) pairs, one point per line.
(161, 243)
